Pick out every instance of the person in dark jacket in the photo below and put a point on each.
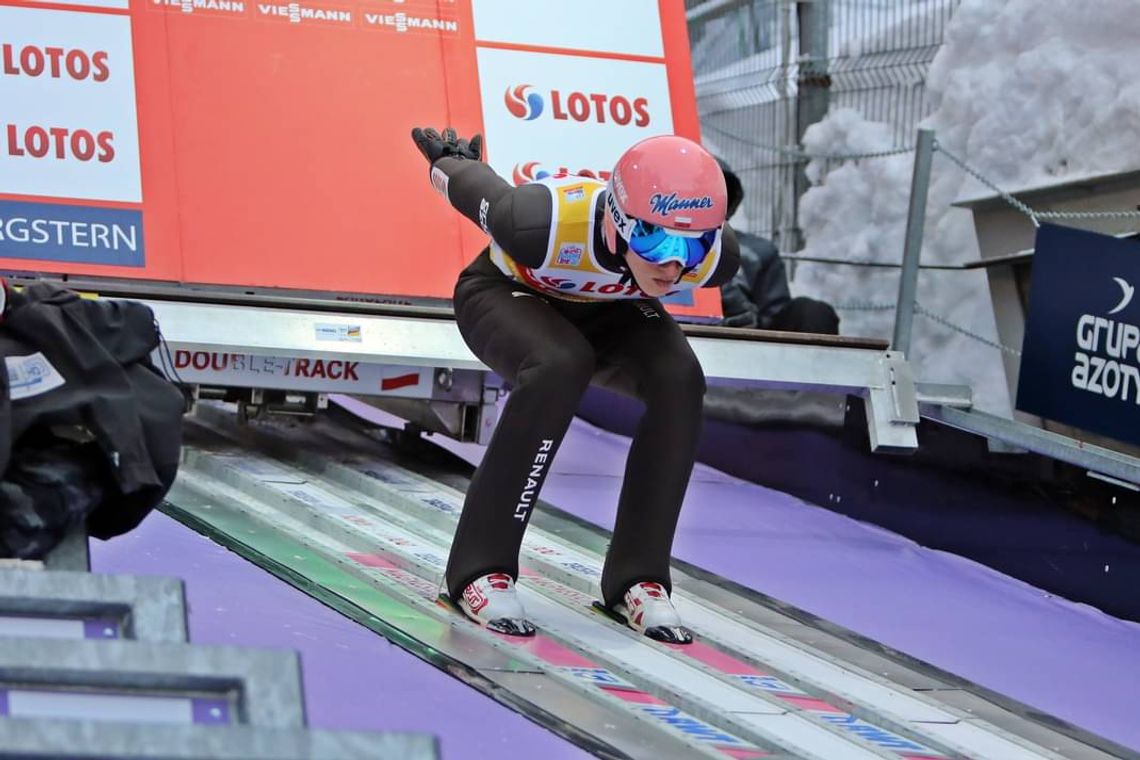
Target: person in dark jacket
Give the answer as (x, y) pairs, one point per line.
(758, 295)
(567, 294)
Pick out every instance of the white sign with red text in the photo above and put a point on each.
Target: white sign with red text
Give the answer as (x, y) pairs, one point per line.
(239, 370)
(68, 127)
(544, 112)
(592, 25)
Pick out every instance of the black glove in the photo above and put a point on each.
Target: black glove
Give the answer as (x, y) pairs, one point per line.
(435, 146)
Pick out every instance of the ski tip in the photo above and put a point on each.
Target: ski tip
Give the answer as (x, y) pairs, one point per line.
(663, 633)
(512, 627)
(506, 626)
(668, 634)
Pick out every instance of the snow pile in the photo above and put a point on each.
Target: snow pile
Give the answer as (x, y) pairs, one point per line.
(1028, 92)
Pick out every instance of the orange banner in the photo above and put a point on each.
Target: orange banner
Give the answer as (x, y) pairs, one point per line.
(265, 143)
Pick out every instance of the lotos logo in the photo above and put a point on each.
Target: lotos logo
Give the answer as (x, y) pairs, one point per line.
(558, 283)
(530, 171)
(572, 105)
(667, 204)
(523, 105)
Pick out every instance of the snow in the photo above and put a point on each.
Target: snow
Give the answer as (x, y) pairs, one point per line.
(1028, 92)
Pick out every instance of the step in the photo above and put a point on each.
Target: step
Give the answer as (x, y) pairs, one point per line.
(78, 605)
(71, 553)
(97, 740)
(156, 682)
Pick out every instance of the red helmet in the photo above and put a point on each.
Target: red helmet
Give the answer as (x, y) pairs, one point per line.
(667, 200)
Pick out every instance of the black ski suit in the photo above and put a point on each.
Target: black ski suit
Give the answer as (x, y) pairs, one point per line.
(549, 308)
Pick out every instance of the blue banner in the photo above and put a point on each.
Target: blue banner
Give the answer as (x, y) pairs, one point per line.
(75, 234)
(1080, 362)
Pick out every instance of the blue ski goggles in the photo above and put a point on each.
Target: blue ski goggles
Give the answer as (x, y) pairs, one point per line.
(659, 245)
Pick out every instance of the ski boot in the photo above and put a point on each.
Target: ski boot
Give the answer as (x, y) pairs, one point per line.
(646, 608)
(493, 602)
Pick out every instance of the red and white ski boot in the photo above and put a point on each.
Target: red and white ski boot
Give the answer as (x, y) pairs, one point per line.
(492, 601)
(647, 609)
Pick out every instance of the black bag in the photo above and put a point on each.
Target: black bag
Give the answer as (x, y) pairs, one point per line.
(89, 429)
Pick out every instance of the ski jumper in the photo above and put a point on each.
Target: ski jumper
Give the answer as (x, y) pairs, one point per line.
(549, 308)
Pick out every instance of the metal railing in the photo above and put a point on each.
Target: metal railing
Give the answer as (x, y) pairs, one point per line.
(749, 73)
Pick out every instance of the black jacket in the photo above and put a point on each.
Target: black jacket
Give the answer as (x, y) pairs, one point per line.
(759, 290)
(112, 397)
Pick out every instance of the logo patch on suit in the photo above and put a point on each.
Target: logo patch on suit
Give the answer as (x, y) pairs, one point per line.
(570, 254)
